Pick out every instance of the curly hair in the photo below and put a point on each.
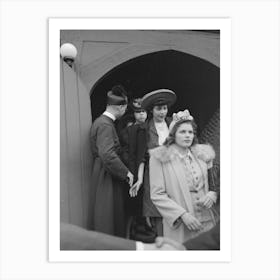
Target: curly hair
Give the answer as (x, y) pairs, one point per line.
(171, 137)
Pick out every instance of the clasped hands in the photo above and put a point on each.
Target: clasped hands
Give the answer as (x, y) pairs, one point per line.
(135, 188)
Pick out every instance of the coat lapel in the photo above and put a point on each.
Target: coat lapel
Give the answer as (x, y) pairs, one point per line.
(184, 181)
(153, 136)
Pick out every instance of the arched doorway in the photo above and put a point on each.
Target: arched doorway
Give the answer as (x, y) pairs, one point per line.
(195, 81)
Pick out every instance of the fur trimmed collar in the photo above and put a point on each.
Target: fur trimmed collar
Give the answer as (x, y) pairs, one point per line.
(203, 152)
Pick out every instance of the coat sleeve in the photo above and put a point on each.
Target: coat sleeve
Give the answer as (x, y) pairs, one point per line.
(213, 179)
(107, 153)
(142, 151)
(125, 146)
(170, 210)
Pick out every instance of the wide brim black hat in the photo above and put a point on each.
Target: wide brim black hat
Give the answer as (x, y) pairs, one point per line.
(158, 97)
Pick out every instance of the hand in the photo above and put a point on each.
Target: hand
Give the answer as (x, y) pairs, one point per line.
(191, 222)
(150, 246)
(208, 200)
(162, 247)
(162, 242)
(135, 188)
(130, 178)
(153, 247)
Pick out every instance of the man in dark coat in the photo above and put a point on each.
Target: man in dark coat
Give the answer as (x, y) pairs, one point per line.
(110, 175)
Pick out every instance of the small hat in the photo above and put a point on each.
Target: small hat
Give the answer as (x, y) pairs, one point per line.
(117, 96)
(158, 97)
(181, 115)
(136, 105)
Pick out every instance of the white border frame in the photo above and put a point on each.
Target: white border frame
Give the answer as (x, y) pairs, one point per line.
(55, 25)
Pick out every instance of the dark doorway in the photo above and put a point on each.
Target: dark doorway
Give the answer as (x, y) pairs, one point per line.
(195, 81)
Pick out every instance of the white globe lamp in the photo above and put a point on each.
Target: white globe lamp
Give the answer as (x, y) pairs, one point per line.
(68, 53)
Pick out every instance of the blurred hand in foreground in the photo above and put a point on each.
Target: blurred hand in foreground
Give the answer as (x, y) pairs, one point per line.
(162, 246)
(164, 243)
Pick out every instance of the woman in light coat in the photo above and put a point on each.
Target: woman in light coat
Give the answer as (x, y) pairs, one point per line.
(179, 182)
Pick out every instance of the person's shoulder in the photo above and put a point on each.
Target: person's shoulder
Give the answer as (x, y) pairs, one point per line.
(204, 152)
(135, 130)
(162, 153)
(103, 120)
(101, 123)
(149, 123)
(141, 126)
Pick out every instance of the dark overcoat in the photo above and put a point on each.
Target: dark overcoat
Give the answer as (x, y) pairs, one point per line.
(108, 183)
(133, 153)
(133, 140)
(137, 140)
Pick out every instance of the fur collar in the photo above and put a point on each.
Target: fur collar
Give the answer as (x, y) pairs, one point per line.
(203, 152)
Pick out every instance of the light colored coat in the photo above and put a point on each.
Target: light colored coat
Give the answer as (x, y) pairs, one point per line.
(170, 184)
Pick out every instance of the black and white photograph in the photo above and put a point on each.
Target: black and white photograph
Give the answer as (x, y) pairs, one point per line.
(140, 140)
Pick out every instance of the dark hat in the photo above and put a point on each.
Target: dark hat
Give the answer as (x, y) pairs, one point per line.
(136, 105)
(117, 96)
(158, 97)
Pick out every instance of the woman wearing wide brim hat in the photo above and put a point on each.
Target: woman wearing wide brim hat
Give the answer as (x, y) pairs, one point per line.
(157, 104)
(158, 97)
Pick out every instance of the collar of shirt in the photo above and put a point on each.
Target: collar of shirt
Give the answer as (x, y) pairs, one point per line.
(109, 115)
(162, 131)
(187, 155)
(161, 124)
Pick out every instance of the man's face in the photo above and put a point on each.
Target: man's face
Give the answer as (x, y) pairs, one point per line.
(122, 109)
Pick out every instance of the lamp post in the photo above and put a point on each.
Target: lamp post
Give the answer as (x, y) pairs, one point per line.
(68, 53)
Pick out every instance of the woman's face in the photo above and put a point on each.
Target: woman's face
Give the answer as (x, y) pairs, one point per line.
(141, 116)
(159, 113)
(184, 135)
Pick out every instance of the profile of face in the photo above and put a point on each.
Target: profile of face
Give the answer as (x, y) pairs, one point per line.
(184, 135)
(121, 110)
(159, 112)
(141, 116)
